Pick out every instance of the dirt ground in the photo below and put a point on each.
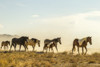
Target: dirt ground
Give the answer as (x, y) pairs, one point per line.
(40, 59)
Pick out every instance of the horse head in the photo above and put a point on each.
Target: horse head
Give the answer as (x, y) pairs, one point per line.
(24, 38)
(9, 43)
(59, 39)
(89, 39)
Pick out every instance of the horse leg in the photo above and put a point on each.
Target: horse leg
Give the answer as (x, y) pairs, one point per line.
(4, 47)
(43, 49)
(78, 50)
(1, 46)
(26, 47)
(7, 47)
(49, 49)
(19, 47)
(73, 48)
(56, 48)
(82, 50)
(86, 50)
(33, 48)
(46, 49)
(14, 47)
(52, 50)
(11, 46)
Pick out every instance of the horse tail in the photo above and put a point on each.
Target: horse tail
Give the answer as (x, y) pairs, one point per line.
(75, 42)
(73, 49)
(1, 46)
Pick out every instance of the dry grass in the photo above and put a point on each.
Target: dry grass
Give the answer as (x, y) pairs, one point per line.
(33, 59)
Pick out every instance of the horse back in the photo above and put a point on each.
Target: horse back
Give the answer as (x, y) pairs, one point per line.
(47, 41)
(75, 42)
(23, 39)
(15, 40)
(81, 41)
(33, 39)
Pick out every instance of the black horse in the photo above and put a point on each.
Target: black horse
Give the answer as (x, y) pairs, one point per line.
(19, 41)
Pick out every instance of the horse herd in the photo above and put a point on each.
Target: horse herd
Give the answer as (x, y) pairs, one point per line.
(25, 41)
(48, 44)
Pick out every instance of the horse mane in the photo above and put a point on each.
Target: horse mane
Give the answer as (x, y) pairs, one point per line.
(23, 37)
(47, 39)
(55, 39)
(34, 39)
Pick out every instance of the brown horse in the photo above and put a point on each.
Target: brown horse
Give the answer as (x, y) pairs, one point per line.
(32, 42)
(50, 46)
(5, 44)
(55, 41)
(82, 43)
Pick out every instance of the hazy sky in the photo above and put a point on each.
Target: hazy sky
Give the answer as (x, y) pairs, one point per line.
(68, 19)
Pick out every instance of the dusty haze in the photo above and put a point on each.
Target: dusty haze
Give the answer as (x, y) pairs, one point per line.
(65, 46)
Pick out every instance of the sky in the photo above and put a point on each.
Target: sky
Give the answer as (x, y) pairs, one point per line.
(68, 19)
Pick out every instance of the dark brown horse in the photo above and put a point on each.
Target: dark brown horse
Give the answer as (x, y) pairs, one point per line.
(50, 47)
(48, 41)
(5, 44)
(19, 41)
(82, 43)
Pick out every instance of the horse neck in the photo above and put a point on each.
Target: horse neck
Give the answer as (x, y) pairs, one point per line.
(55, 42)
(8, 43)
(85, 39)
(35, 42)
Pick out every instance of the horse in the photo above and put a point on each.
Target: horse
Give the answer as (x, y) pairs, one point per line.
(32, 42)
(55, 41)
(5, 44)
(50, 46)
(81, 43)
(19, 41)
